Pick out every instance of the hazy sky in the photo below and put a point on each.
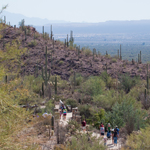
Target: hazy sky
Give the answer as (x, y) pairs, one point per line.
(81, 10)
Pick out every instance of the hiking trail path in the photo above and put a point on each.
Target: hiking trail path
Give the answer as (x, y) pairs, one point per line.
(110, 146)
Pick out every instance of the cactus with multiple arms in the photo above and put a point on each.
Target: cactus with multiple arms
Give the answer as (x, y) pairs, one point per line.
(46, 77)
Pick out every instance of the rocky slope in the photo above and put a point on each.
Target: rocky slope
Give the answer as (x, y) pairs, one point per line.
(65, 60)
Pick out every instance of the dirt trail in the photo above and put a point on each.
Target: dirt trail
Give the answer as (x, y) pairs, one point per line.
(109, 142)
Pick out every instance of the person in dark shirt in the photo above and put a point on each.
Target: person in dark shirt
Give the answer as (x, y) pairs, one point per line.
(84, 125)
(115, 136)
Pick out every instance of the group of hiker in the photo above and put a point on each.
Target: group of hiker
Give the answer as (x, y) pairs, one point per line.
(114, 133)
(111, 133)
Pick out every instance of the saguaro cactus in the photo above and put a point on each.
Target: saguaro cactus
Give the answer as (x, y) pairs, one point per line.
(46, 77)
(120, 53)
(67, 41)
(71, 38)
(147, 78)
(5, 19)
(25, 34)
(53, 42)
(52, 121)
(55, 85)
(51, 33)
(140, 58)
(43, 31)
(42, 94)
(36, 71)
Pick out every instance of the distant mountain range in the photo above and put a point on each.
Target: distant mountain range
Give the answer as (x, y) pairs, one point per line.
(63, 27)
(14, 19)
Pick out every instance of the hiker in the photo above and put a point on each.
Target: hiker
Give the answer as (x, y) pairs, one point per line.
(108, 127)
(117, 130)
(64, 113)
(61, 109)
(112, 130)
(102, 129)
(84, 125)
(108, 134)
(115, 137)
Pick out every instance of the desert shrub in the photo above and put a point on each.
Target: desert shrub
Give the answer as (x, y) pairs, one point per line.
(78, 79)
(49, 107)
(93, 86)
(113, 60)
(90, 143)
(127, 82)
(60, 62)
(107, 79)
(107, 99)
(32, 44)
(139, 140)
(71, 102)
(87, 51)
(46, 36)
(85, 111)
(126, 114)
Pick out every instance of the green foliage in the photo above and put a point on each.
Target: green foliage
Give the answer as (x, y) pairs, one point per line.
(107, 99)
(32, 44)
(140, 139)
(126, 114)
(61, 62)
(90, 143)
(87, 51)
(78, 78)
(114, 60)
(49, 107)
(127, 82)
(71, 102)
(93, 86)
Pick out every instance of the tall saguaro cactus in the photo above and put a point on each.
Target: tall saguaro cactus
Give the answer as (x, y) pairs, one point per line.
(43, 31)
(147, 78)
(120, 53)
(51, 33)
(67, 41)
(140, 58)
(45, 77)
(55, 85)
(25, 34)
(71, 38)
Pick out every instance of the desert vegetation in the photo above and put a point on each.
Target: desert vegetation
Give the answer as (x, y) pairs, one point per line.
(37, 70)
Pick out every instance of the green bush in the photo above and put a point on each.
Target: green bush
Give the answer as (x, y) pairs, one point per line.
(127, 82)
(127, 115)
(86, 142)
(49, 107)
(93, 86)
(78, 79)
(32, 44)
(71, 102)
(60, 62)
(114, 60)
